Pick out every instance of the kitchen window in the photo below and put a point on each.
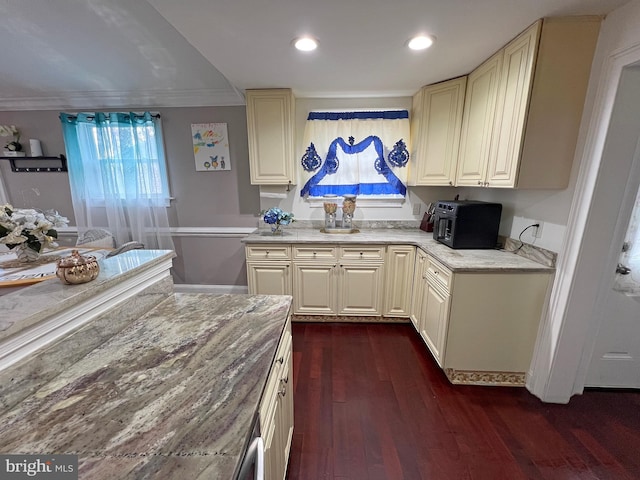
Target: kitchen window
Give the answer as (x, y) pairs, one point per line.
(118, 175)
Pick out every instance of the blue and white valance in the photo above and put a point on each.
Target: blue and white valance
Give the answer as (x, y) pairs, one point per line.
(358, 153)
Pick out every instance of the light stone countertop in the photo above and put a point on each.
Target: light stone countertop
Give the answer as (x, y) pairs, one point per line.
(457, 260)
(172, 395)
(32, 304)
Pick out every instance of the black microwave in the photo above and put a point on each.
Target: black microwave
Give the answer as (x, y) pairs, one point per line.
(467, 223)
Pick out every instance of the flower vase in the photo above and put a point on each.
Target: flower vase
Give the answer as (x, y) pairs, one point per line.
(276, 229)
(26, 254)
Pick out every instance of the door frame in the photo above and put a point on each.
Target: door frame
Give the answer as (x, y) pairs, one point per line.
(625, 135)
(568, 329)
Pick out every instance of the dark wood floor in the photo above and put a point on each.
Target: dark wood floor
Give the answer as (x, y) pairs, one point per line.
(370, 403)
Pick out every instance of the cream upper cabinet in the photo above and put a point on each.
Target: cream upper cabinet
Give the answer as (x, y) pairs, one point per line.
(435, 133)
(513, 99)
(270, 130)
(526, 136)
(399, 268)
(477, 122)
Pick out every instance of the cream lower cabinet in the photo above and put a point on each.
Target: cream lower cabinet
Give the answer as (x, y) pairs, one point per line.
(432, 304)
(360, 289)
(276, 411)
(315, 289)
(399, 267)
(269, 269)
(418, 289)
(481, 327)
(332, 280)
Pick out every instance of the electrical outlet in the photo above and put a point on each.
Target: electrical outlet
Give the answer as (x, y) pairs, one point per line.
(537, 231)
(416, 208)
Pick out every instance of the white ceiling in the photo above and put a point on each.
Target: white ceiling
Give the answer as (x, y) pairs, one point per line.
(119, 53)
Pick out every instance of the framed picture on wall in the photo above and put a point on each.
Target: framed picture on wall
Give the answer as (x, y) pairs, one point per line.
(211, 147)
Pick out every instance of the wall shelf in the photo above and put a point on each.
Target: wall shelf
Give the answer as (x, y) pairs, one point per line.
(38, 164)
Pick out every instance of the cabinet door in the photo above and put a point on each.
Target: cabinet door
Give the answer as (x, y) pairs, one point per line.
(513, 101)
(360, 289)
(285, 417)
(269, 278)
(270, 448)
(399, 280)
(438, 139)
(270, 134)
(419, 287)
(433, 325)
(314, 289)
(477, 122)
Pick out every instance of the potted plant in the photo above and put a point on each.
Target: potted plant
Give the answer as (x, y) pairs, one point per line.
(277, 217)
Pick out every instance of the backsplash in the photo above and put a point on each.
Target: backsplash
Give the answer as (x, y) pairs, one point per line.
(526, 250)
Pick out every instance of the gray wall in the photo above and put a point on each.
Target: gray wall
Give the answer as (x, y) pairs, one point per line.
(202, 199)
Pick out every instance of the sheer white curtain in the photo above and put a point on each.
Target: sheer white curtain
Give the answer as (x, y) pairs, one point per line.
(118, 177)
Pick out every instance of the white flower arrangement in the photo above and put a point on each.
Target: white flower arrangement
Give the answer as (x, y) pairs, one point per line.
(28, 226)
(11, 131)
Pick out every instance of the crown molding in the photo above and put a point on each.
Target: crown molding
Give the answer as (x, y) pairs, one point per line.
(126, 99)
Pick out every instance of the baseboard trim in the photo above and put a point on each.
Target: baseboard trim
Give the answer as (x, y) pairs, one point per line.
(347, 319)
(215, 289)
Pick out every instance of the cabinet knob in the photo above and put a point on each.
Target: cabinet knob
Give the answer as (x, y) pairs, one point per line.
(361, 253)
(286, 379)
(450, 183)
(266, 252)
(283, 391)
(314, 254)
(280, 360)
(479, 182)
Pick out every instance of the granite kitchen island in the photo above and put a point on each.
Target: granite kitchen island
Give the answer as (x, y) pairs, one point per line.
(171, 392)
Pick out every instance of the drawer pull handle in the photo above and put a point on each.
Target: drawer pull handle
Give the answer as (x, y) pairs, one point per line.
(280, 360)
(286, 379)
(283, 391)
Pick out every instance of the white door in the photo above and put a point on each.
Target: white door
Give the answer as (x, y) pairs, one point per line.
(615, 361)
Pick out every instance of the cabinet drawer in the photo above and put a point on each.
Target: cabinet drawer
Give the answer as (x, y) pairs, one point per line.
(268, 252)
(362, 252)
(439, 273)
(315, 252)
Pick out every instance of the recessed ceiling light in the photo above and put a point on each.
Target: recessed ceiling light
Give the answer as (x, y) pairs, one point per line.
(305, 44)
(420, 42)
